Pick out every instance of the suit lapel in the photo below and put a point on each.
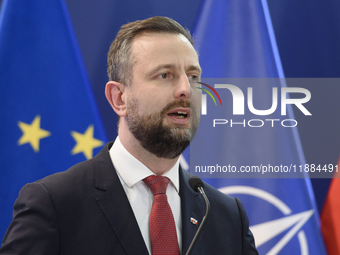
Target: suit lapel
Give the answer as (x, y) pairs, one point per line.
(192, 206)
(116, 207)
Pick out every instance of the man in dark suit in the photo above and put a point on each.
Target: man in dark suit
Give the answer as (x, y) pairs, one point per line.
(103, 205)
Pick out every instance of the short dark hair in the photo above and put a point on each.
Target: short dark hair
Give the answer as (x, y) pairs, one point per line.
(119, 59)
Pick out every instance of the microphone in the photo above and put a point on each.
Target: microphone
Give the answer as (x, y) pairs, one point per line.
(197, 185)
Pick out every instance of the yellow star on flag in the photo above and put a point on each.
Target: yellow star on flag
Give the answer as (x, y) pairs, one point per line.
(32, 133)
(85, 143)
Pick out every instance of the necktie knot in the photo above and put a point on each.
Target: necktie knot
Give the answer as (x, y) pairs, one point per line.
(157, 184)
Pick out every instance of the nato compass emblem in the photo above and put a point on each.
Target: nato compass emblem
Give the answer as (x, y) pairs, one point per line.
(264, 232)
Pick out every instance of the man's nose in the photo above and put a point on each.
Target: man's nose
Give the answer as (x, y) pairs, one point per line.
(183, 88)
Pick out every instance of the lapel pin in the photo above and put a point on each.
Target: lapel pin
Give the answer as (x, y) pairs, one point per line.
(193, 221)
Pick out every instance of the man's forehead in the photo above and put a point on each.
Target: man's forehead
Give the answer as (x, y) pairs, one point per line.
(153, 52)
(161, 43)
(151, 36)
(148, 33)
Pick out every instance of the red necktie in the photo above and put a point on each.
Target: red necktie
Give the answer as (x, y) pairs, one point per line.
(162, 224)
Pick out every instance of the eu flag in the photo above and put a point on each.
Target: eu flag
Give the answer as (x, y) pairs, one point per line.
(49, 119)
(235, 40)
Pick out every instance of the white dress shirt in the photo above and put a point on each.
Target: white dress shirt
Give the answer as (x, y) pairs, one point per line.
(131, 172)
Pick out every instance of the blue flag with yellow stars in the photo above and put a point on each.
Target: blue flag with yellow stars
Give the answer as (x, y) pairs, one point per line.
(49, 119)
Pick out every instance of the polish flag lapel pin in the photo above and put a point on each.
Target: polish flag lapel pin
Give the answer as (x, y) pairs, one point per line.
(193, 221)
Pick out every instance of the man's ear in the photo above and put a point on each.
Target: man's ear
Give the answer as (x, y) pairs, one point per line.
(114, 94)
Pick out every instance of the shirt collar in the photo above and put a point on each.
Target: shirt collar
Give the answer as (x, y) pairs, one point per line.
(131, 170)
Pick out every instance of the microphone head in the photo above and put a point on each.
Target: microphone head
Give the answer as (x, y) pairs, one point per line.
(195, 182)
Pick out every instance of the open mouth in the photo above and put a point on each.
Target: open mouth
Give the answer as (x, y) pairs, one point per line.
(179, 114)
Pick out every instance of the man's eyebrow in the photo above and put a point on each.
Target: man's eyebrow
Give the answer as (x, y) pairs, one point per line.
(195, 68)
(171, 66)
(160, 67)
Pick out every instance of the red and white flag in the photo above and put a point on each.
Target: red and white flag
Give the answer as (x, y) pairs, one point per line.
(330, 216)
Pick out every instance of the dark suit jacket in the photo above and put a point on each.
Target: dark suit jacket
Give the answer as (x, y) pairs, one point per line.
(84, 210)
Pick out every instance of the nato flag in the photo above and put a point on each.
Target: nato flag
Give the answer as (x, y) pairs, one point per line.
(235, 40)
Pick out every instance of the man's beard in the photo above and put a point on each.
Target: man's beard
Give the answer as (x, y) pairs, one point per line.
(156, 137)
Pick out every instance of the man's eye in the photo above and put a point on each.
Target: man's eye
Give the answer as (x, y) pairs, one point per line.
(164, 75)
(194, 78)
